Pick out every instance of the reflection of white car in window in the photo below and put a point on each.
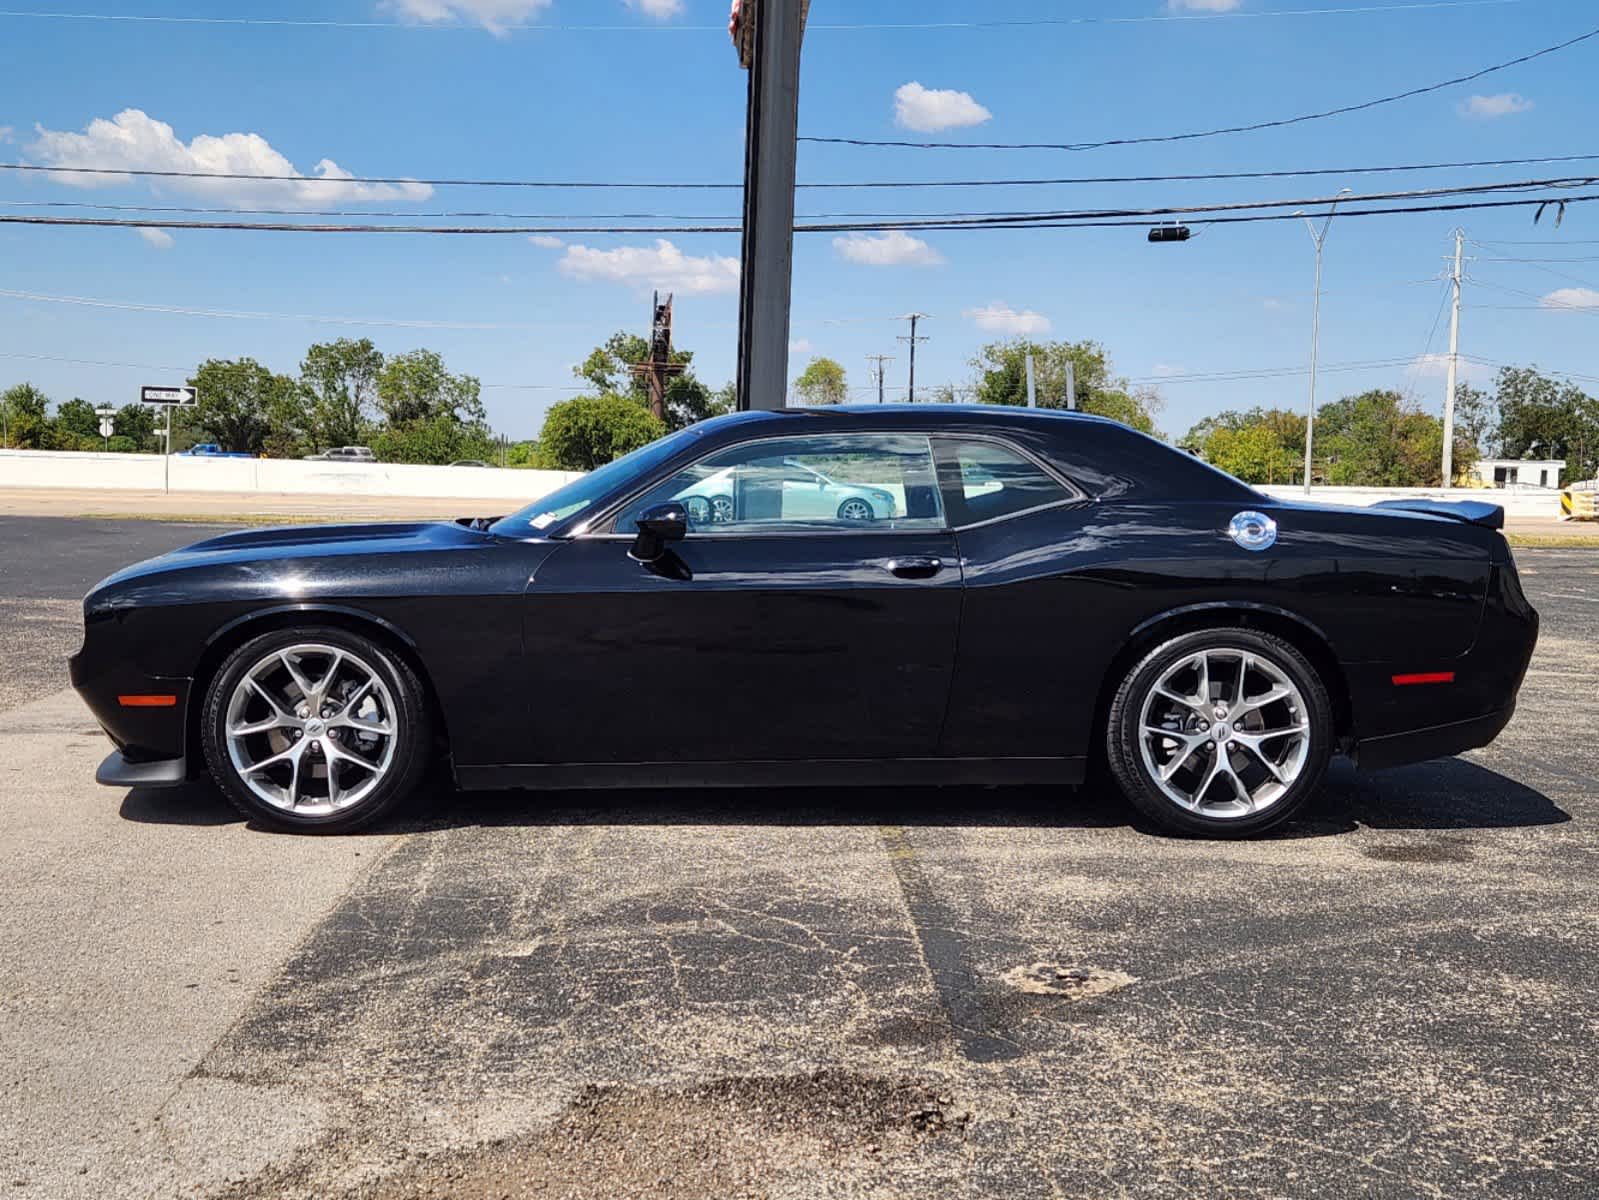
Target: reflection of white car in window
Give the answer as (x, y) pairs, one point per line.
(808, 495)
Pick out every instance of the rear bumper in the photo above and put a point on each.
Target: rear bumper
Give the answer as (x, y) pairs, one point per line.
(118, 771)
(1437, 741)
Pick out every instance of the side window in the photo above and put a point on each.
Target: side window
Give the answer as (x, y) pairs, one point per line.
(987, 480)
(822, 482)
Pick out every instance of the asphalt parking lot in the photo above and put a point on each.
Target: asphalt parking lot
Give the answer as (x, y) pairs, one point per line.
(1006, 993)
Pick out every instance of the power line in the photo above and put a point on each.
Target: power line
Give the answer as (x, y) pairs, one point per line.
(174, 310)
(1342, 110)
(1241, 212)
(836, 27)
(623, 185)
(896, 219)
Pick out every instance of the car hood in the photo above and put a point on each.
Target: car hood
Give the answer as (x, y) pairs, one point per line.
(261, 548)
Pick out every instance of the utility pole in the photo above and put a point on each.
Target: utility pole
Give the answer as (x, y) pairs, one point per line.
(1320, 240)
(1071, 385)
(1454, 367)
(1032, 384)
(768, 34)
(913, 318)
(880, 360)
(658, 368)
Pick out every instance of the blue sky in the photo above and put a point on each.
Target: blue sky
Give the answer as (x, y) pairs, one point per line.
(445, 89)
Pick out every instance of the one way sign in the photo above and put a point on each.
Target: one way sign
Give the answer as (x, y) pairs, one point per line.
(180, 397)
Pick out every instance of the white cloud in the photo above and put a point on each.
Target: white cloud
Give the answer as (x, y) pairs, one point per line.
(1436, 366)
(1577, 297)
(659, 9)
(1274, 304)
(5, 133)
(1165, 370)
(1000, 317)
(1203, 5)
(928, 110)
(1487, 108)
(159, 238)
(647, 268)
(545, 242)
(800, 346)
(134, 141)
(892, 249)
(494, 15)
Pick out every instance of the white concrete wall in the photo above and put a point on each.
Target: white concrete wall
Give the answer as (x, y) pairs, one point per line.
(1516, 503)
(272, 476)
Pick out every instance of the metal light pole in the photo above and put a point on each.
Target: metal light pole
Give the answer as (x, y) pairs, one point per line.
(1320, 240)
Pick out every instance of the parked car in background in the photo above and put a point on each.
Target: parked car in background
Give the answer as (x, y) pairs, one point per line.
(344, 454)
(469, 462)
(211, 450)
(802, 493)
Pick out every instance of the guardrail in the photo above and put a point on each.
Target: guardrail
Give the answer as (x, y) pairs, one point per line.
(1542, 502)
(272, 476)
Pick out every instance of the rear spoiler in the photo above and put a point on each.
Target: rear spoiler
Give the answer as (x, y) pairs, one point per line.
(1472, 512)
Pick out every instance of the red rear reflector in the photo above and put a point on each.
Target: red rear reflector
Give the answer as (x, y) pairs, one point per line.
(1426, 677)
(148, 701)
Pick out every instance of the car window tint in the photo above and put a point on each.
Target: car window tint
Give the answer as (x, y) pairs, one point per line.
(995, 481)
(823, 482)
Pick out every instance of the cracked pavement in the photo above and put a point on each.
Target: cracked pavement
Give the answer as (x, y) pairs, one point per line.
(967, 992)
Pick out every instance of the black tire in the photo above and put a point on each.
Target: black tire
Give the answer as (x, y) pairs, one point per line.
(1123, 732)
(413, 736)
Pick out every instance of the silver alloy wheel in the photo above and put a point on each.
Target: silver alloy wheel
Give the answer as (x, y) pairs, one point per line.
(721, 509)
(311, 729)
(1224, 733)
(855, 510)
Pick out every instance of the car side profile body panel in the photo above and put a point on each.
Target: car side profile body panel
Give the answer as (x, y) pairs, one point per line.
(804, 655)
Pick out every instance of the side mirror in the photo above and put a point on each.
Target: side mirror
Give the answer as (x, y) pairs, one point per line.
(658, 526)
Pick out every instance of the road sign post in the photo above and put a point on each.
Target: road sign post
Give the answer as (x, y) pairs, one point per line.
(169, 398)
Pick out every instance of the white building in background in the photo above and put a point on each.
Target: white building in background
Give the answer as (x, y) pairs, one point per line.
(1518, 472)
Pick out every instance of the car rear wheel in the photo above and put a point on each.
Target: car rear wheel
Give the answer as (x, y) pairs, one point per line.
(855, 509)
(315, 730)
(721, 509)
(1220, 733)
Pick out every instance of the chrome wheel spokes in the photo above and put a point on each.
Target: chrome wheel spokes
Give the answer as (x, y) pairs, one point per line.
(1224, 732)
(311, 729)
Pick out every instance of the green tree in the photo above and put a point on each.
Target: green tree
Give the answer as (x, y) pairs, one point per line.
(1002, 379)
(417, 387)
(822, 382)
(437, 440)
(135, 430)
(236, 398)
(76, 426)
(342, 379)
(24, 418)
(1379, 439)
(1258, 445)
(589, 431)
(1540, 417)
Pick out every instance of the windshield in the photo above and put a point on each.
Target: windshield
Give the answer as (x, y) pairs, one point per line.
(581, 494)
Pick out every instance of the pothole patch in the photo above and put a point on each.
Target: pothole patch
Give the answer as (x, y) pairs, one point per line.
(1075, 983)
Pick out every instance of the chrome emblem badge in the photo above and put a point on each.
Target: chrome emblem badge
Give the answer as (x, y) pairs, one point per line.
(1253, 531)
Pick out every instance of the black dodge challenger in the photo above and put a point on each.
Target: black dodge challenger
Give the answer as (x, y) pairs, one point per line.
(928, 595)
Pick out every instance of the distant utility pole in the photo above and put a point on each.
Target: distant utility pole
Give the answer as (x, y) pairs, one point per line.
(1454, 366)
(1032, 384)
(913, 318)
(1071, 385)
(658, 367)
(880, 360)
(1320, 239)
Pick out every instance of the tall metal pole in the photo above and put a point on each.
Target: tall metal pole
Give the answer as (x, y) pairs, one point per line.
(1454, 367)
(770, 149)
(913, 318)
(1071, 385)
(1320, 239)
(166, 462)
(1032, 384)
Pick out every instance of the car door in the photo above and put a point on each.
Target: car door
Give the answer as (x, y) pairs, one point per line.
(772, 634)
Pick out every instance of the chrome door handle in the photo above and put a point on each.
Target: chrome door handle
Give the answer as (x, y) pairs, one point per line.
(914, 568)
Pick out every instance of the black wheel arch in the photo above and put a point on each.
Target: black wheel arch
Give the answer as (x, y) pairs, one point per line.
(235, 633)
(1303, 635)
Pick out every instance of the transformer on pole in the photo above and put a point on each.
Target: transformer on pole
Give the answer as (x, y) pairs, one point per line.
(658, 368)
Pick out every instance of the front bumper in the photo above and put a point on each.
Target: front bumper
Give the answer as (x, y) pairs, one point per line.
(118, 771)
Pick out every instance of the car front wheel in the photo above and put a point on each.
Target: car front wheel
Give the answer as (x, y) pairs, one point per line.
(315, 730)
(1220, 733)
(855, 509)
